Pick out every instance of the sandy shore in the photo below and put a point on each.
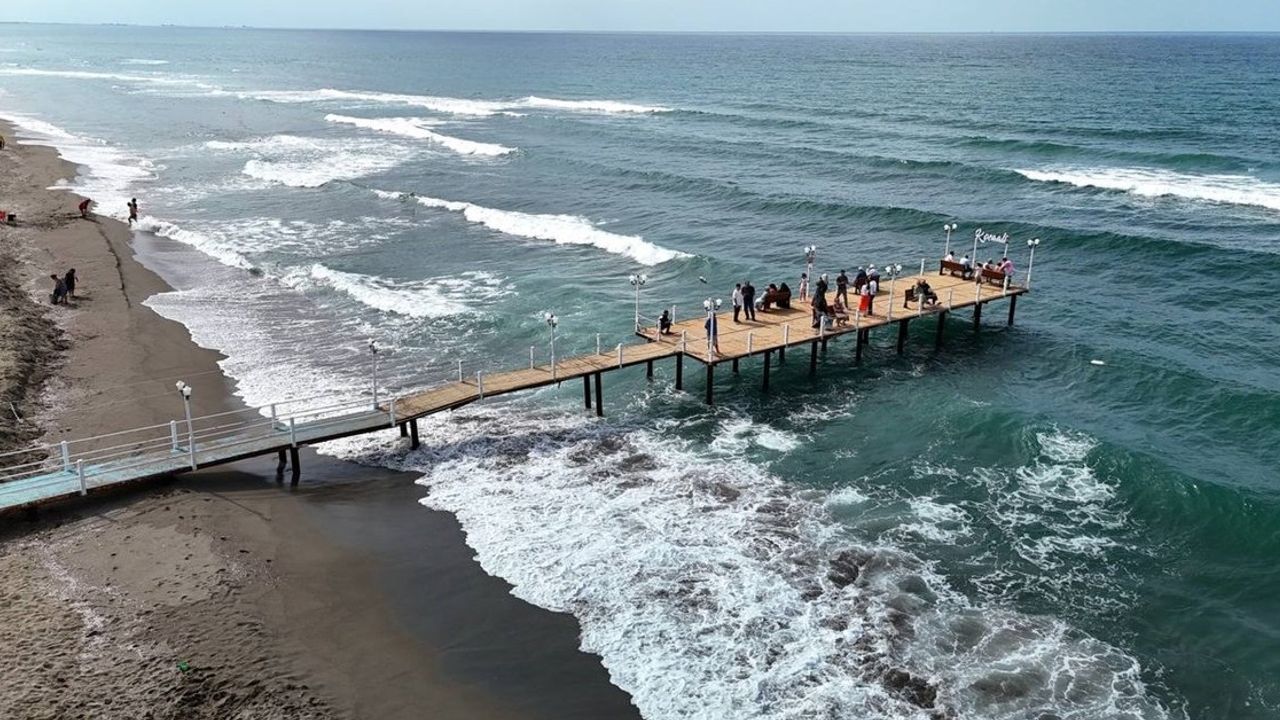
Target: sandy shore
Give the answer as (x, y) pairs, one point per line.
(223, 594)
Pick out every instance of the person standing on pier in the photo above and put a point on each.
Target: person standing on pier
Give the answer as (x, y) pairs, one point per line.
(842, 288)
(870, 289)
(804, 287)
(713, 331)
(749, 300)
(859, 280)
(737, 302)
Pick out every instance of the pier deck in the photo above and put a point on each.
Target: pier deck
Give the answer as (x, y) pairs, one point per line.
(77, 467)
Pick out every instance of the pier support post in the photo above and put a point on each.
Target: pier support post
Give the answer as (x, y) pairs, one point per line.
(940, 330)
(586, 391)
(599, 396)
(735, 366)
(296, 467)
(977, 317)
(813, 357)
(680, 371)
(280, 463)
(711, 384)
(648, 370)
(404, 430)
(1013, 305)
(902, 335)
(413, 434)
(782, 354)
(768, 354)
(861, 336)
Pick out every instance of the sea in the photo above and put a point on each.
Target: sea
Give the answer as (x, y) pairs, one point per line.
(1073, 517)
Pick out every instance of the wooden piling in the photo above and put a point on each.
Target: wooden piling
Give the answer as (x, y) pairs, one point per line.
(735, 366)
(940, 330)
(680, 371)
(586, 391)
(767, 355)
(1013, 305)
(413, 434)
(296, 470)
(648, 370)
(813, 357)
(861, 339)
(977, 317)
(711, 383)
(599, 395)
(404, 430)
(902, 336)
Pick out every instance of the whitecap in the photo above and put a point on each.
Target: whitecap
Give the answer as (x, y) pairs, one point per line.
(561, 229)
(433, 298)
(416, 128)
(1146, 182)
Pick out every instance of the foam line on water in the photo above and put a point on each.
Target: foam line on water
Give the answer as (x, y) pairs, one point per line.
(712, 588)
(1146, 182)
(560, 229)
(453, 106)
(434, 298)
(416, 128)
(305, 162)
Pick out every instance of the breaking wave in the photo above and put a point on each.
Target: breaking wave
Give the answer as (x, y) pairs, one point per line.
(416, 128)
(1226, 189)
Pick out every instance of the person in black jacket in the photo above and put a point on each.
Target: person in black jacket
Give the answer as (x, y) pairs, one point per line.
(749, 300)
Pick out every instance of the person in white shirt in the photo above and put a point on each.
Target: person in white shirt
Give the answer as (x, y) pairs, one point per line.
(872, 287)
(804, 287)
(968, 267)
(737, 301)
(951, 257)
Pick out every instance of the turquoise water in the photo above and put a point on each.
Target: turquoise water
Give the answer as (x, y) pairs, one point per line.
(1036, 535)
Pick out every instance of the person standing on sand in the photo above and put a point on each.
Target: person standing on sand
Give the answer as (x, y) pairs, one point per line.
(84, 207)
(59, 290)
(69, 280)
(133, 211)
(1, 142)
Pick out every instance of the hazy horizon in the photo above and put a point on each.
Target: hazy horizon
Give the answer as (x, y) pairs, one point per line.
(710, 16)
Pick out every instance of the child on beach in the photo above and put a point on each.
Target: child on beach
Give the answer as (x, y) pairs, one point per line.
(59, 290)
(133, 211)
(69, 280)
(84, 207)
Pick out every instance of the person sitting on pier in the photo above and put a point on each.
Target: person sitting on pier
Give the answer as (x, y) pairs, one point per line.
(951, 256)
(967, 264)
(925, 294)
(769, 299)
(664, 323)
(784, 297)
(840, 311)
(1006, 266)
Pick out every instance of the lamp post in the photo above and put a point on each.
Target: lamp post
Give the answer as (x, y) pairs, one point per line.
(373, 350)
(185, 391)
(894, 271)
(638, 281)
(810, 254)
(711, 306)
(1032, 243)
(552, 322)
(949, 228)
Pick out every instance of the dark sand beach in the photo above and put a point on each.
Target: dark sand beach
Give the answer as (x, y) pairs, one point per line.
(222, 593)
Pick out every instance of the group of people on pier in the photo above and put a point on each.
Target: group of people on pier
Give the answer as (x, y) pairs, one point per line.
(1005, 265)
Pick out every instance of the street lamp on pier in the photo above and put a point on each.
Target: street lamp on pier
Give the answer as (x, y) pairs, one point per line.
(638, 281)
(1033, 243)
(552, 322)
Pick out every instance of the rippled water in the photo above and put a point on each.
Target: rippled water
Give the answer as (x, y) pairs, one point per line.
(1004, 529)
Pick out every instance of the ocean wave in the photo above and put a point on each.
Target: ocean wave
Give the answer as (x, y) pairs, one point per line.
(434, 298)
(452, 106)
(217, 248)
(1243, 190)
(143, 61)
(304, 162)
(712, 588)
(416, 128)
(163, 80)
(560, 229)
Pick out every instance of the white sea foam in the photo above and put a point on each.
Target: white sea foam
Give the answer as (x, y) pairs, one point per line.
(161, 80)
(1227, 189)
(434, 298)
(738, 433)
(713, 589)
(561, 229)
(143, 61)
(453, 106)
(312, 162)
(107, 173)
(216, 247)
(416, 128)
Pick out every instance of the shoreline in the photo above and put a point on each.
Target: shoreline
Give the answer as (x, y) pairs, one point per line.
(251, 588)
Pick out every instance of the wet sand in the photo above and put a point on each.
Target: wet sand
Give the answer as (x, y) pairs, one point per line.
(222, 593)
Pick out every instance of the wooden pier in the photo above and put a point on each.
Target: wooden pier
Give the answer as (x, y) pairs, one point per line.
(81, 466)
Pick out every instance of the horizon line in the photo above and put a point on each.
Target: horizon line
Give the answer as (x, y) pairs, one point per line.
(551, 31)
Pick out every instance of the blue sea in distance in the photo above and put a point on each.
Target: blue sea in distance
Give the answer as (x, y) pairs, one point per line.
(1035, 535)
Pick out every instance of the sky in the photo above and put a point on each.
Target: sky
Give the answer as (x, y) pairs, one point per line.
(675, 15)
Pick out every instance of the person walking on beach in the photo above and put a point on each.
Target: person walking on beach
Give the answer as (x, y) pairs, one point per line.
(842, 288)
(133, 211)
(84, 207)
(59, 290)
(737, 302)
(69, 280)
(749, 300)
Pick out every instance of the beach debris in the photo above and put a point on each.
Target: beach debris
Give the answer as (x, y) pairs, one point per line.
(1097, 362)
(184, 667)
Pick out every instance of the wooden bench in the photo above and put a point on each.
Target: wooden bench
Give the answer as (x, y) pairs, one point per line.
(995, 277)
(910, 297)
(956, 269)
